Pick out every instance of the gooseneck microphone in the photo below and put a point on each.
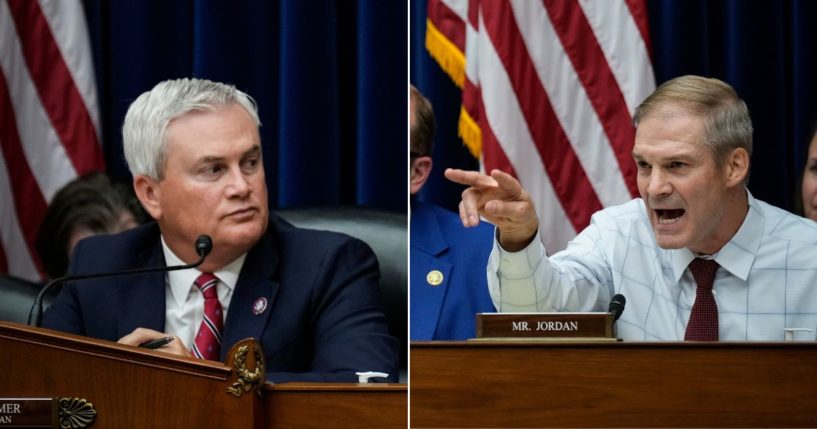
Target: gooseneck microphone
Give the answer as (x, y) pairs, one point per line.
(617, 306)
(35, 317)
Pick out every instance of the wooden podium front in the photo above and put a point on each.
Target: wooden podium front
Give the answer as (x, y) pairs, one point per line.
(131, 387)
(329, 405)
(625, 384)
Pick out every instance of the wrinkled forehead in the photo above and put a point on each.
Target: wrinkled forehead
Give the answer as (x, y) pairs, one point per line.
(670, 110)
(199, 131)
(669, 132)
(669, 123)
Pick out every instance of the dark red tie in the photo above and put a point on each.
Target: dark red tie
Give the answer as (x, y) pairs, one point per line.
(703, 320)
(208, 340)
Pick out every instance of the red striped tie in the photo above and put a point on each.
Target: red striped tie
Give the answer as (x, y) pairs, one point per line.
(208, 341)
(703, 320)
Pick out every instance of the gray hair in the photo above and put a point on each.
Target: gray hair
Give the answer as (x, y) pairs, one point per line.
(727, 125)
(144, 131)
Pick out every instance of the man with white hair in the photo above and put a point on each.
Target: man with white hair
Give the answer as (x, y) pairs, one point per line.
(310, 298)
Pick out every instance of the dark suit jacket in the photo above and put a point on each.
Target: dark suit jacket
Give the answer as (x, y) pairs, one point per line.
(323, 320)
(446, 311)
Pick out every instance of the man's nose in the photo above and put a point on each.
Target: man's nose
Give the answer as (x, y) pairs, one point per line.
(658, 185)
(239, 185)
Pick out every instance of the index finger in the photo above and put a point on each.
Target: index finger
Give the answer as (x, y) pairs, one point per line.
(469, 178)
(507, 183)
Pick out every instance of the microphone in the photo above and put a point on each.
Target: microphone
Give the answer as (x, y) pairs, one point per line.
(204, 244)
(617, 306)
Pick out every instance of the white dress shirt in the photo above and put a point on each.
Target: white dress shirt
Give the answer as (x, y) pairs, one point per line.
(767, 280)
(184, 302)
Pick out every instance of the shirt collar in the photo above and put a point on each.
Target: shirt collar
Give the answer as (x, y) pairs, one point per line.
(181, 281)
(738, 254)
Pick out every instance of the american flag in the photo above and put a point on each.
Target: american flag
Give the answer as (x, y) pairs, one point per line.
(548, 92)
(49, 122)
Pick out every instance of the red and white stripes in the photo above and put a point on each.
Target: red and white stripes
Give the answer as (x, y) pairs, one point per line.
(549, 88)
(49, 125)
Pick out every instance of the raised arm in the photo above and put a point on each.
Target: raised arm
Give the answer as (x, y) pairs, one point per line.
(501, 200)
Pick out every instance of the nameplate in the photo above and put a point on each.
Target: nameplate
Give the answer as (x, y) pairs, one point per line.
(544, 325)
(26, 412)
(46, 413)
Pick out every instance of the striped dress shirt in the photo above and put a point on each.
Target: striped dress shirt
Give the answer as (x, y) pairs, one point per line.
(767, 282)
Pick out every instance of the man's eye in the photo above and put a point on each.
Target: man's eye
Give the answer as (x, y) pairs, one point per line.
(677, 164)
(212, 169)
(642, 164)
(251, 163)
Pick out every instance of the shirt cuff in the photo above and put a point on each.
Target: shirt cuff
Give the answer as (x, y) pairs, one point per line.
(520, 264)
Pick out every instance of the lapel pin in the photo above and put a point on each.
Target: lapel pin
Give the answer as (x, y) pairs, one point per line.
(434, 277)
(259, 306)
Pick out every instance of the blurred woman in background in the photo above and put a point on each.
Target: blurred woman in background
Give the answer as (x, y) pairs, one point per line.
(86, 206)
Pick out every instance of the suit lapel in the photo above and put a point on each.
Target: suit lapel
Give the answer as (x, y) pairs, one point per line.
(429, 273)
(428, 289)
(144, 294)
(254, 293)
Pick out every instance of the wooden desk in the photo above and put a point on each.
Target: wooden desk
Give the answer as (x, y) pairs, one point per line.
(132, 387)
(524, 384)
(324, 405)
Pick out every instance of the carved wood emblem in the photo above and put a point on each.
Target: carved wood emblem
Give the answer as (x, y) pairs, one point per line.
(250, 372)
(75, 413)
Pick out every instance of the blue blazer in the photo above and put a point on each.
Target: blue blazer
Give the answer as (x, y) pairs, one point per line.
(439, 242)
(323, 320)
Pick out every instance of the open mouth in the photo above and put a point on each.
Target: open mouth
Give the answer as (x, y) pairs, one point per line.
(668, 216)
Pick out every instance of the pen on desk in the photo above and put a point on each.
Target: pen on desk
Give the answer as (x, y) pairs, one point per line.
(155, 344)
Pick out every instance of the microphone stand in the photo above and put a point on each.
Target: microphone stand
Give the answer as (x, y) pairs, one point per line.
(35, 317)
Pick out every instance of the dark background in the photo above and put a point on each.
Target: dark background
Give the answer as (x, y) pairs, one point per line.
(766, 49)
(329, 78)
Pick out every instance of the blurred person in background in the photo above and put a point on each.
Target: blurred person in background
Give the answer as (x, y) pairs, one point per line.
(448, 281)
(808, 185)
(86, 206)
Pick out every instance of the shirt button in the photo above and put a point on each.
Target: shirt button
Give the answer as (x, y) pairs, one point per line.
(714, 292)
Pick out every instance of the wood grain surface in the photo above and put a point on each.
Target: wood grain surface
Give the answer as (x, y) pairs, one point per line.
(468, 384)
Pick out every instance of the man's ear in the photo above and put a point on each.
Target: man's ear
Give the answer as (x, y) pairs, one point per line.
(420, 170)
(149, 194)
(737, 166)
